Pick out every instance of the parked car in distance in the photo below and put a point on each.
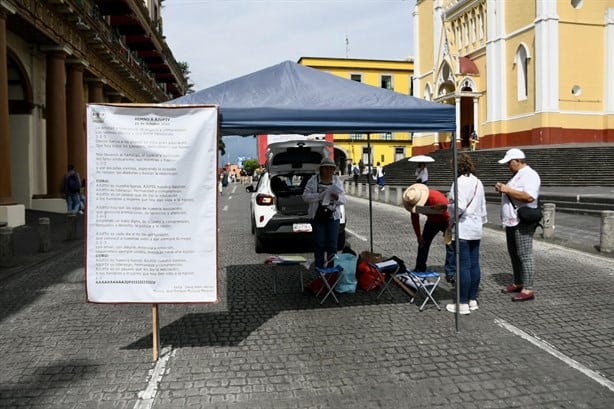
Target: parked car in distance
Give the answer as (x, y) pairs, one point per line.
(278, 210)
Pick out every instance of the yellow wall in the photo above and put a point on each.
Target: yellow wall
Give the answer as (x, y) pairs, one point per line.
(519, 14)
(582, 50)
(383, 151)
(581, 37)
(515, 106)
(426, 60)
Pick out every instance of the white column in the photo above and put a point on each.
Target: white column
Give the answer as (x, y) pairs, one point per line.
(437, 24)
(609, 60)
(417, 86)
(457, 102)
(496, 105)
(476, 115)
(546, 57)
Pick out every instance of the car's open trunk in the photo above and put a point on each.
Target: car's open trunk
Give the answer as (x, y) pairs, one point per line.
(291, 204)
(288, 190)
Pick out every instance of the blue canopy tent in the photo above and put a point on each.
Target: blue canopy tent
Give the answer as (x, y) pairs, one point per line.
(289, 98)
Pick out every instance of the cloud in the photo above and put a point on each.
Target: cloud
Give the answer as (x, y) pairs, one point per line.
(221, 40)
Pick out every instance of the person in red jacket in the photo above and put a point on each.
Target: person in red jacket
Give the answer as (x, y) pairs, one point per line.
(419, 199)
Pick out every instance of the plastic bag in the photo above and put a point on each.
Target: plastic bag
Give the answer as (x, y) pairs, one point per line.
(347, 282)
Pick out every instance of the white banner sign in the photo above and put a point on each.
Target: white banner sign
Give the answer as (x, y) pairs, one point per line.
(151, 204)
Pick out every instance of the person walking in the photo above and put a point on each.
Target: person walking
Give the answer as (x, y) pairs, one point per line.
(471, 215)
(418, 198)
(71, 188)
(474, 140)
(324, 193)
(223, 180)
(355, 174)
(379, 175)
(521, 190)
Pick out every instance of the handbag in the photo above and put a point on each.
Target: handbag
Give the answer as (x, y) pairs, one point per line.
(530, 215)
(323, 214)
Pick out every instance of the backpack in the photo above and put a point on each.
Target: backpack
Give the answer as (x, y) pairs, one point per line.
(73, 183)
(368, 277)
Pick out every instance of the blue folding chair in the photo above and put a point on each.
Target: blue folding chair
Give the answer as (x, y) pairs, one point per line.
(330, 277)
(425, 283)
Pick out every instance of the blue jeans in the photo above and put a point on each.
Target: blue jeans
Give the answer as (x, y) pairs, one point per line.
(325, 237)
(450, 265)
(73, 202)
(469, 277)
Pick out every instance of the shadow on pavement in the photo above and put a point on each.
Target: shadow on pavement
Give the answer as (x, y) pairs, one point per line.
(251, 303)
(40, 388)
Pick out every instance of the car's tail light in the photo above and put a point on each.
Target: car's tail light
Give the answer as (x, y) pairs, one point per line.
(265, 200)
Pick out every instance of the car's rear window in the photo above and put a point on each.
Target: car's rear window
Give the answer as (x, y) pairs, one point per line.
(297, 157)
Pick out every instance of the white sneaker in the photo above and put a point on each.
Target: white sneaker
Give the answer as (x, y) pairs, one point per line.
(473, 305)
(463, 308)
(382, 188)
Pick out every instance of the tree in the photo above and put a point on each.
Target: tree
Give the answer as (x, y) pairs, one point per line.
(250, 165)
(185, 71)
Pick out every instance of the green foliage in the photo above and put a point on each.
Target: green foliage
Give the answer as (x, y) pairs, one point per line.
(250, 165)
(185, 70)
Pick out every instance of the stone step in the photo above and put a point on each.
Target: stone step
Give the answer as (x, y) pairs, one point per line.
(573, 165)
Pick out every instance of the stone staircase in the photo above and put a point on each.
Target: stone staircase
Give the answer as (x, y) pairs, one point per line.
(561, 166)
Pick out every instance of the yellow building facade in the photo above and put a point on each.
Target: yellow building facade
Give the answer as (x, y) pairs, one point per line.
(395, 75)
(529, 72)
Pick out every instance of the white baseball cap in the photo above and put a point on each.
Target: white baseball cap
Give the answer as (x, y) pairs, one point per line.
(511, 154)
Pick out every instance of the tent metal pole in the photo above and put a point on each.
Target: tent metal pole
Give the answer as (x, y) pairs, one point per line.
(456, 241)
(369, 167)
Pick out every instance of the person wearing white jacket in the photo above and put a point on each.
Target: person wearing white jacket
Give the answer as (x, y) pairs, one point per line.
(471, 213)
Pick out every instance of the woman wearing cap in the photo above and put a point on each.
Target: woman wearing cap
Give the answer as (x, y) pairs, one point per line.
(324, 191)
(471, 213)
(521, 190)
(418, 198)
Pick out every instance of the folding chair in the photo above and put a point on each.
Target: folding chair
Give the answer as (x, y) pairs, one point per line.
(425, 283)
(422, 282)
(329, 281)
(387, 271)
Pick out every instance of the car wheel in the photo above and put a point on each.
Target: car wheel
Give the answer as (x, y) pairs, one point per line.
(253, 226)
(341, 240)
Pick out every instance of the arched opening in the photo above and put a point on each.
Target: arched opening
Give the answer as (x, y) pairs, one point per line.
(342, 161)
(467, 115)
(522, 71)
(19, 86)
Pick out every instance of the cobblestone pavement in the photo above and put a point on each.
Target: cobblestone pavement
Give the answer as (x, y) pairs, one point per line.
(255, 349)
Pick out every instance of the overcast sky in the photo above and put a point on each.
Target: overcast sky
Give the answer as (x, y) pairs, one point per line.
(224, 39)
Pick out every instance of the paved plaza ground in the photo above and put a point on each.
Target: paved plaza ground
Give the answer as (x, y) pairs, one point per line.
(256, 349)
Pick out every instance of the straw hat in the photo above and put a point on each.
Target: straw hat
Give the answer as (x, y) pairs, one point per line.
(415, 195)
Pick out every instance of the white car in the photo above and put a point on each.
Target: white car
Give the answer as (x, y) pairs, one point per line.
(277, 208)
